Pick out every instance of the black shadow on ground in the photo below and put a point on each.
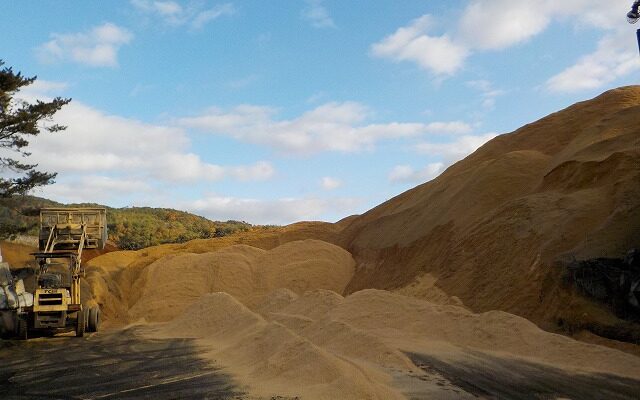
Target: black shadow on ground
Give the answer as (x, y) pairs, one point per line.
(489, 377)
(115, 365)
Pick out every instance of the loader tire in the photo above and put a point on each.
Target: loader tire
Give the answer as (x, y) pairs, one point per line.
(94, 319)
(22, 329)
(80, 323)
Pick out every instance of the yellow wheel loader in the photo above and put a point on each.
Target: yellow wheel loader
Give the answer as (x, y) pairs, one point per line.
(57, 306)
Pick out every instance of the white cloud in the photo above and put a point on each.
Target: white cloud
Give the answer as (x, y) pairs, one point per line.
(332, 126)
(317, 15)
(167, 7)
(184, 167)
(279, 211)
(488, 92)
(498, 24)
(317, 97)
(99, 144)
(192, 14)
(169, 10)
(94, 188)
(451, 152)
(615, 57)
(437, 54)
(329, 183)
(97, 47)
(43, 87)
(493, 25)
(261, 171)
(407, 174)
(110, 159)
(204, 17)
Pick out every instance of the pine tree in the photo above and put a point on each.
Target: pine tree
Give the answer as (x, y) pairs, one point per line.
(20, 120)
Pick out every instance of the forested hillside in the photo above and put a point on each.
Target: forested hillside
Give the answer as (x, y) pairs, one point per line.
(129, 228)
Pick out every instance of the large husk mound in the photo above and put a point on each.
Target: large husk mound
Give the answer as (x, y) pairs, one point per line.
(491, 229)
(247, 273)
(157, 284)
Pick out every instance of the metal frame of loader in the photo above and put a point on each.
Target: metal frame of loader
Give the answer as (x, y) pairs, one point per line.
(57, 306)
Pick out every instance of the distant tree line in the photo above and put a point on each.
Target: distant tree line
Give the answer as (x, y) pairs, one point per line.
(130, 228)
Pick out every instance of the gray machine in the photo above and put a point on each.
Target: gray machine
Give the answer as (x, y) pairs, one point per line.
(14, 301)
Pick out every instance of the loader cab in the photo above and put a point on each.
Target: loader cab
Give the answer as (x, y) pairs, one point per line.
(50, 281)
(51, 299)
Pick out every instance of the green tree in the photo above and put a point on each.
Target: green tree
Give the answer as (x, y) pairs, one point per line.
(20, 120)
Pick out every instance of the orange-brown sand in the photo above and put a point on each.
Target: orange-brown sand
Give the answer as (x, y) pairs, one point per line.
(277, 320)
(492, 228)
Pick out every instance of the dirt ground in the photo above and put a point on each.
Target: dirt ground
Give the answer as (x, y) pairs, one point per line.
(111, 365)
(490, 377)
(124, 364)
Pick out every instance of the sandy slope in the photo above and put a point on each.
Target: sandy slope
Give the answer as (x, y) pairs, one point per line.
(244, 272)
(156, 284)
(277, 321)
(17, 254)
(323, 346)
(491, 228)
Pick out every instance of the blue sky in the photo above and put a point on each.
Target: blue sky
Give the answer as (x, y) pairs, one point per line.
(279, 111)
